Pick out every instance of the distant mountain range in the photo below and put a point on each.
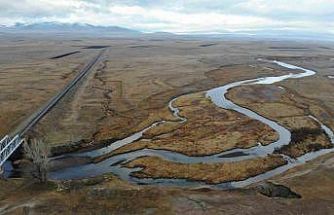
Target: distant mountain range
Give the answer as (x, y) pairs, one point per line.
(93, 30)
(55, 27)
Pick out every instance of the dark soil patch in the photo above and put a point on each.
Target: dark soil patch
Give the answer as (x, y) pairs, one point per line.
(233, 154)
(208, 45)
(64, 55)
(301, 134)
(95, 47)
(302, 141)
(275, 190)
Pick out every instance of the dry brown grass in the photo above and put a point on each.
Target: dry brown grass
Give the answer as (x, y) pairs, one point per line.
(304, 140)
(110, 195)
(150, 77)
(209, 130)
(29, 78)
(131, 88)
(154, 167)
(101, 195)
(290, 109)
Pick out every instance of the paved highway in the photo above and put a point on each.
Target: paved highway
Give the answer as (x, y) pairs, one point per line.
(29, 123)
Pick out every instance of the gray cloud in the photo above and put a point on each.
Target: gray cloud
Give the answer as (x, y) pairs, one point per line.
(177, 16)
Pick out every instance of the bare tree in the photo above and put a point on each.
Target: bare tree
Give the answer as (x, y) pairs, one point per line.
(38, 151)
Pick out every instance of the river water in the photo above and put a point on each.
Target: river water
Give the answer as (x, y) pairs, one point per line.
(217, 96)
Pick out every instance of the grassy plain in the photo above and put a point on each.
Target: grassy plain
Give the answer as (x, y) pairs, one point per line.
(292, 110)
(154, 167)
(131, 88)
(208, 130)
(107, 194)
(29, 77)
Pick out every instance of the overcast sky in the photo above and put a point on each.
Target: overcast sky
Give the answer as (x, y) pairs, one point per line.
(177, 16)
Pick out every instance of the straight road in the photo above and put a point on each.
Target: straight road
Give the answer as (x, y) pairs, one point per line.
(30, 122)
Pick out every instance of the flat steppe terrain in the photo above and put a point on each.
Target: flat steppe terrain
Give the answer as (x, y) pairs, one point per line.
(130, 89)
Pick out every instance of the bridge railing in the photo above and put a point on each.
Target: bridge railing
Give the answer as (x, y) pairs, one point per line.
(8, 147)
(4, 142)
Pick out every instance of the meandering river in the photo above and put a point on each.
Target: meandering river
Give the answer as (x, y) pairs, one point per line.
(217, 96)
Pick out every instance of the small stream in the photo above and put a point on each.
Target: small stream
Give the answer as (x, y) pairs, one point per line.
(217, 95)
